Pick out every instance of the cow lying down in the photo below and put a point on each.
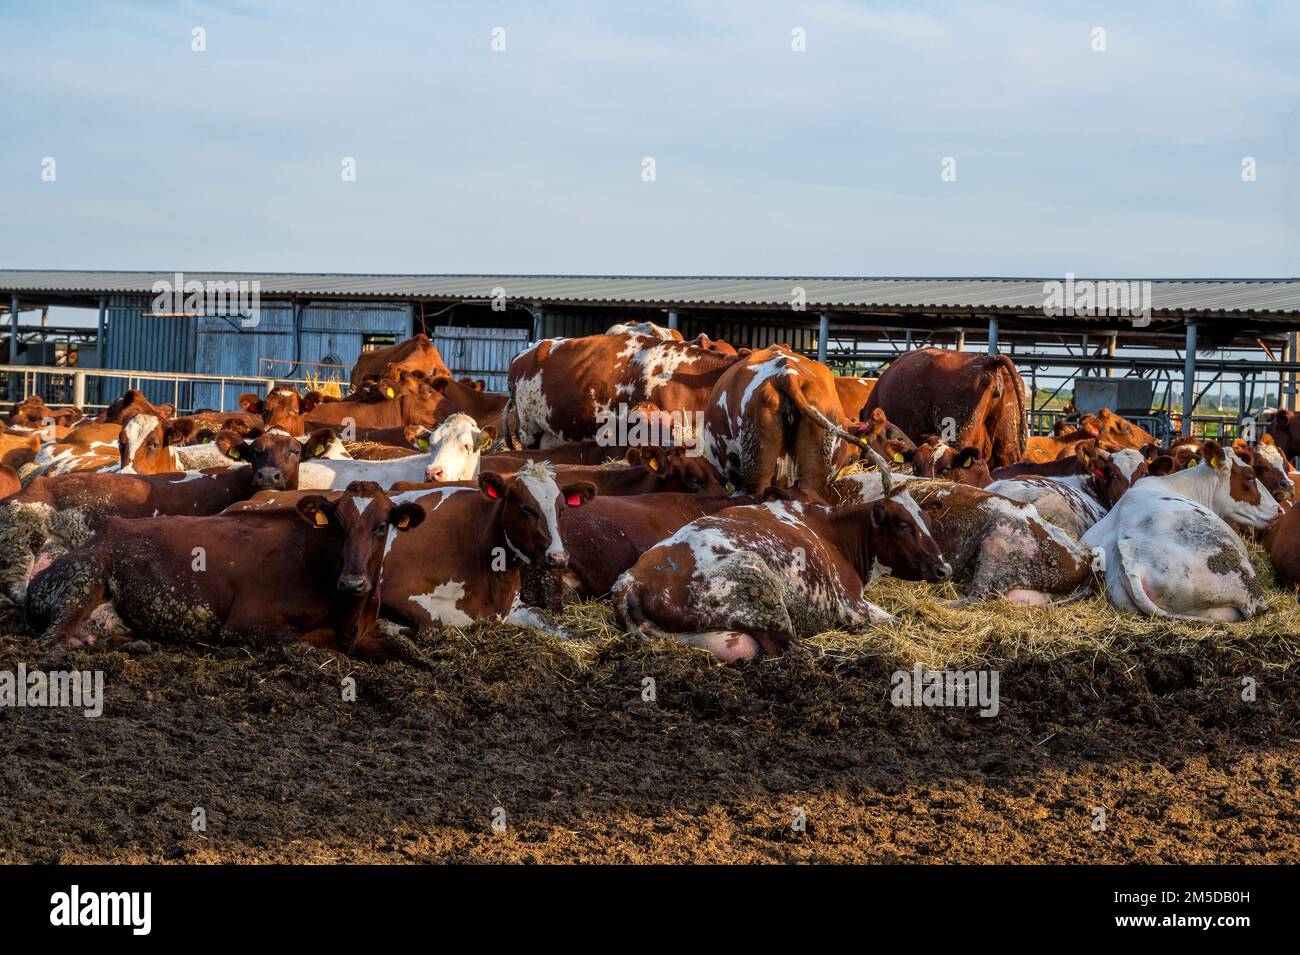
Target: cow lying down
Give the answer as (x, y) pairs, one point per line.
(1167, 550)
(56, 514)
(751, 580)
(453, 455)
(996, 546)
(1075, 493)
(306, 573)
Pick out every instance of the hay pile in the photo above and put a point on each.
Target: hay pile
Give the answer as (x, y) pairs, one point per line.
(931, 629)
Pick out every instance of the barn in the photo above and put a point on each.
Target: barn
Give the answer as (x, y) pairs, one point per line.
(1184, 342)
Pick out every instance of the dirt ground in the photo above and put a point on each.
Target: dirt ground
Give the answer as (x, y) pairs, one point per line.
(557, 742)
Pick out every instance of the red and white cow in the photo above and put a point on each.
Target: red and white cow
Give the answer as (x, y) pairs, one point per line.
(752, 580)
(1085, 489)
(455, 447)
(1167, 550)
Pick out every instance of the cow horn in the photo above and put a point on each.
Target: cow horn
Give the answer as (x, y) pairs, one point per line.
(886, 481)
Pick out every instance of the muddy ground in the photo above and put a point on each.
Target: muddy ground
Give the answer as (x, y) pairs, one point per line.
(714, 770)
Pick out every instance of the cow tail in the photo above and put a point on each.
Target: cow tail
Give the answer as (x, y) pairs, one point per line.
(811, 411)
(511, 440)
(1022, 422)
(627, 609)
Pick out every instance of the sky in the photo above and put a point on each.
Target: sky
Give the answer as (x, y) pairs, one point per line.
(830, 160)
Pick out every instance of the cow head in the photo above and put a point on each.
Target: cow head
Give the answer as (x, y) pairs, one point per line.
(886, 439)
(132, 401)
(282, 408)
(455, 447)
(1111, 472)
(681, 471)
(146, 441)
(1236, 494)
(900, 541)
(361, 516)
(274, 455)
(1269, 469)
(528, 506)
(935, 459)
(1122, 432)
(1284, 430)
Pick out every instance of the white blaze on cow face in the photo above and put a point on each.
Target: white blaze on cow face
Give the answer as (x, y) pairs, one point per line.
(141, 431)
(1274, 459)
(1127, 461)
(454, 449)
(539, 481)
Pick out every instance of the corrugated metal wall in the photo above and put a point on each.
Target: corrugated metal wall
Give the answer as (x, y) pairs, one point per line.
(142, 342)
(480, 352)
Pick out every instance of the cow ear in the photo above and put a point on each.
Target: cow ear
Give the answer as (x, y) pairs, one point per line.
(387, 388)
(1160, 465)
(310, 400)
(179, 430)
(878, 514)
(1212, 454)
(317, 443)
(578, 493)
(229, 443)
(406, 516)
(440, 384)
(1266, 439)
(250, 402)
(316, 509)
(418, 436)
(485, 437)
(492, 485)
(967, 458)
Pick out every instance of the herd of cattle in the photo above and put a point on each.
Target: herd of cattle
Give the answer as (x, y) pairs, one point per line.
(774, 494)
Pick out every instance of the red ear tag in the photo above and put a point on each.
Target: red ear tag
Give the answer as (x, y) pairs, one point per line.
(1099, 472)
(492, 492)
(574, 500)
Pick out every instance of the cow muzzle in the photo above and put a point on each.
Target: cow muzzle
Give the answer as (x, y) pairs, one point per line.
(434, 474)
(271, 479)
(354, 584)
(556, 559)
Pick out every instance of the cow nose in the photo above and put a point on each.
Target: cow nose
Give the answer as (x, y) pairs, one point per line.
(353, 584)
(945, 570)
(557, 559)
(433, 474)
(269, 477)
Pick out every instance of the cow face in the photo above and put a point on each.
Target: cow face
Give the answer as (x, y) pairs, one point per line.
(1112, 472)
(274, 455)
(681, 471)
(1271, 466)
(455, 447)
(1121, 432)
(901, 542)
(1237, 494)
(1284, 430)
(528, 506)
(361, 517)
(146, 441)
(132, 401)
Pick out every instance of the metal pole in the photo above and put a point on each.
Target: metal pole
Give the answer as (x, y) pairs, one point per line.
(993, 336)
(1189, 380)
(1110, 351)
(961, 339)
(1293, 348)
(823, 335)
(79, 389)
(13, 343)
(672, 318)
(100, 339)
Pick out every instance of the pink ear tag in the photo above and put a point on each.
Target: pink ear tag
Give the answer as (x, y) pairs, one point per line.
(574, 500)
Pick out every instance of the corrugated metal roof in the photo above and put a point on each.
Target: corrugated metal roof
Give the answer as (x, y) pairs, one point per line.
(1014, 294)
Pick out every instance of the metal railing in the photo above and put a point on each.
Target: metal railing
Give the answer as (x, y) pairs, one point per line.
(98, 387)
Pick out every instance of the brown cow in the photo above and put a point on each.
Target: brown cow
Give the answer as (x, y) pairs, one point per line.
(32, 412)
(281, 408)
(415, 354)
(969, 400)
(934, 459)
(18, 450)
(152, 445)
(309, 573)
(389, 403)
(774, 415)
(484, 407)
(128, 403)
(9, 482)
(853, 394)
(497, 527)
(55, 514)
(751, 580)
(1120, 432)
(567, 389)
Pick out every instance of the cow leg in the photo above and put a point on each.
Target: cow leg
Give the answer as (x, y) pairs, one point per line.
(63, 598)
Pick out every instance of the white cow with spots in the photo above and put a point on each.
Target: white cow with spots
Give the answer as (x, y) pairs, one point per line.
(455, 447)
(1167, 550)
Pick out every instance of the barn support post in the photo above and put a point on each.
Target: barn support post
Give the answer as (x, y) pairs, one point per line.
(1293, 347)
(1189, 380)
(100, 332)
(537, 322)
(993, 335)
(13, 344)
(961, 339)
(823, 335)
(1111, 343)
(672, 318)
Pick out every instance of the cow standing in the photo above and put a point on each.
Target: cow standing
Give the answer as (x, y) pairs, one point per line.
(968, 400)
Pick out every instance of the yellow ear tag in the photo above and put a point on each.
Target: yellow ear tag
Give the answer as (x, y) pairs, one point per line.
(1214, 462)
(1191, 463)
(423, 444)
(321, 519)
(318, 449)
(403, 521)
(234, 452)
(653, 464)
(389, 392)
(898, 456)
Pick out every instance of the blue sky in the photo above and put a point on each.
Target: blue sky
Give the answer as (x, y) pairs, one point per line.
(1125, 162)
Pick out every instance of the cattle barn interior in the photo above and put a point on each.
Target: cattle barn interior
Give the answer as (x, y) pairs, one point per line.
(1200, 354)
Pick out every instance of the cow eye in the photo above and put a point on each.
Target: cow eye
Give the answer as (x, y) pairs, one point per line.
(527, 512)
